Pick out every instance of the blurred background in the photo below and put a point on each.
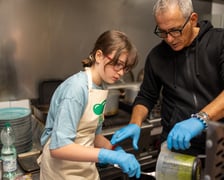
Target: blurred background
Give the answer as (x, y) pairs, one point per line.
(47, 39)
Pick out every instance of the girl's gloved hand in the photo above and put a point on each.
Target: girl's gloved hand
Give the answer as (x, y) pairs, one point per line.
(115, 148)
(127, 162)
(181, 134)
(119, 148)
(129, 131)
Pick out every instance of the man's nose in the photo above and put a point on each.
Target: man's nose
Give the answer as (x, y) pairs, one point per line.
(169, 38)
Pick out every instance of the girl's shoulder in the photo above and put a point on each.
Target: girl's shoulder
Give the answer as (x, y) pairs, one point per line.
(74, 86)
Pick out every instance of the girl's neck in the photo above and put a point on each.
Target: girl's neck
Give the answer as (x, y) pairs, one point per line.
(95, 77)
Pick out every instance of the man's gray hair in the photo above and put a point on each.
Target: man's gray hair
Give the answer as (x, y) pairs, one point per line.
(185, 6)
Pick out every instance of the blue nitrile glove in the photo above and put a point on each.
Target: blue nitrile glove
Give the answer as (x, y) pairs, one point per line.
(127, 162)
(181, 134)
(115, 148)
(129, 131)
(119, 148)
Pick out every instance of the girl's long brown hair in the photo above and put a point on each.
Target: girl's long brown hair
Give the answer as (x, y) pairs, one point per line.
(113, 40)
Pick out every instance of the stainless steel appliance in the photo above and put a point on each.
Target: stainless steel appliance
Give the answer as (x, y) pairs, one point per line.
(214, 163)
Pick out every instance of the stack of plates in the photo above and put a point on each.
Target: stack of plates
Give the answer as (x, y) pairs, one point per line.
(20, 120)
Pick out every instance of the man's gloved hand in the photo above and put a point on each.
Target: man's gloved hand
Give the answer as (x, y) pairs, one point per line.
(127, 162)
(129, 131)
(181, 134)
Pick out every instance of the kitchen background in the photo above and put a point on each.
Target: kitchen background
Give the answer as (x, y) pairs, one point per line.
(47, 39)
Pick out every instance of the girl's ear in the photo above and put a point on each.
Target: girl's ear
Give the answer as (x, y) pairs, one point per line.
(98, 56)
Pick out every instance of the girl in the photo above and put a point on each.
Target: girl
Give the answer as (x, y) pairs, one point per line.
(72, 140)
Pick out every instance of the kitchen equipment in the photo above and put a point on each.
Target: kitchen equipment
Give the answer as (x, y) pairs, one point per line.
(148, 144)
(28, 161)
(131, 93)
(112, 102)
(144, 175)
(126, 78)
(120, 118)
(20, 119)
(172, 165)
(130, 90)
(40, 112)
(148, 173)
(46, 90)
(122, 85)
(214, 162)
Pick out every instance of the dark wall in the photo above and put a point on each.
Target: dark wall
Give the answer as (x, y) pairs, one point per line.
(47, 39)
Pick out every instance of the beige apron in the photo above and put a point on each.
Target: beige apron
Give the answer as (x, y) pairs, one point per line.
(55, 169)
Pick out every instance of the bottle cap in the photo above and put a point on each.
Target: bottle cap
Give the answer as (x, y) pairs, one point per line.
(7, 124)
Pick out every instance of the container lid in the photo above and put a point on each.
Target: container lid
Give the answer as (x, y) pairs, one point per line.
(13, 113)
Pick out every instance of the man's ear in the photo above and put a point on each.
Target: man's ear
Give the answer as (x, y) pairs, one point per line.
(194, 19)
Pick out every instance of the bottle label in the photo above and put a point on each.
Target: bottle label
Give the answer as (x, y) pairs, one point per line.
(9, 165)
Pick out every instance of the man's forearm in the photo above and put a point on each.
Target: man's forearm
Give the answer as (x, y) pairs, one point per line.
(139, 114)
(215, 109)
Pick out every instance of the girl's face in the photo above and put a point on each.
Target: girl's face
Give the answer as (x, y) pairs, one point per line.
(107, 72)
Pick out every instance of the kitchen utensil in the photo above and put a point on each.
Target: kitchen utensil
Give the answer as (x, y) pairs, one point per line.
(142, 172)
(172, 165)
(147, 176)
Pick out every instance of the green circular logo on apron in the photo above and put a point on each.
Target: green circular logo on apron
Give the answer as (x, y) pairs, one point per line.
(98, 108)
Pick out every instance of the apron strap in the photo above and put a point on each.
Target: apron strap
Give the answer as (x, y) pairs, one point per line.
(89, 75)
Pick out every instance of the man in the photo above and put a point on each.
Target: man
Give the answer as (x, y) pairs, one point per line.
(188, 68)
